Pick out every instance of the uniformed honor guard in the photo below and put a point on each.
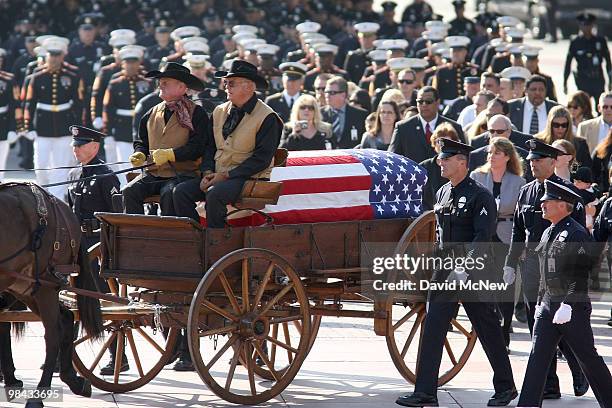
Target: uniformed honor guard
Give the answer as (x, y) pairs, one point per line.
(324, 63)
(267, 67)
(449, 78)
(293, 82)
(531, 63)
(461, 25)
(163, 46)
(388, 27)
(564, 308)
(53, 103)
(528, 226)
(122, 94)
(590, 51)
(8, 123)
(466, 220)
(357, 60)
(212, 96)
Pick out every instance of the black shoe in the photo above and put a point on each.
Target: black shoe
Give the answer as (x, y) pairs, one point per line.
(183, 365)
(520, 314)
(581, 385)
(501, 399)
(109, 369)
(552, 394)
(610, 322)
(508, 350)
(417, 399)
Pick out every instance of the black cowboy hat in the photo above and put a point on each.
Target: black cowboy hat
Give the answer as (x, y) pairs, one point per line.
(243, 69)
(178, 72)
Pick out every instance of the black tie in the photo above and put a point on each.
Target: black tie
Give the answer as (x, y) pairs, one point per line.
(232, 121)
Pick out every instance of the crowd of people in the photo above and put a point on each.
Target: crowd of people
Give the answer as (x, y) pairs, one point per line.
(316, 75)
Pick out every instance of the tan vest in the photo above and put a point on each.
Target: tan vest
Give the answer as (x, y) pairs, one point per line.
(166, 136)
(240, 144)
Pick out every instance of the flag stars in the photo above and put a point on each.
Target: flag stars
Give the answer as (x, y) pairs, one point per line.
(402, 169)
(388, 169)
(380, 209)
(373, 169)
(394, 208)
(399, 178)
(413, 178)
(385, 179)
(377, 189)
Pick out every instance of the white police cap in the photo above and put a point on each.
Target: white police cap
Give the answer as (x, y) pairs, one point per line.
(244, 28)
(457, 41)
(516, 73)
(308, 27)
(394, 45)
(185, 31)
(397, 64)
(367, 27)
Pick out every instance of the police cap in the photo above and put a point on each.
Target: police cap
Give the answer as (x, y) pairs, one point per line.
(449, 148)
(82, 135)
(554, 191)
(586, 18)
(540, 150)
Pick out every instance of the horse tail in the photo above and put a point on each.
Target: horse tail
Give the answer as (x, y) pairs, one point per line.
(89, 308)
(19, 329)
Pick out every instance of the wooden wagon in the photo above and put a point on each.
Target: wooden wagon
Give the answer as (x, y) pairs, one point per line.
(251, 300)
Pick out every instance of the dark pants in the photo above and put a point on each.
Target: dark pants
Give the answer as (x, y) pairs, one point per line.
(505, 300)
(579, 336)
(146, 186)
(217, 198)
(485, 322)
(594, 86)
(530, 273)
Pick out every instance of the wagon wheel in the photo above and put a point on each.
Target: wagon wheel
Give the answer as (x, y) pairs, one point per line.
(403, 325)
(248, 297)
(315, 323)
(132, 339)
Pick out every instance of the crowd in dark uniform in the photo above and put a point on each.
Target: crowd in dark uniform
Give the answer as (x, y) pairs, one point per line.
(341, 75)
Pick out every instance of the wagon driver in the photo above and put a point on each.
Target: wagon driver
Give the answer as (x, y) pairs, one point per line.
(246, 135)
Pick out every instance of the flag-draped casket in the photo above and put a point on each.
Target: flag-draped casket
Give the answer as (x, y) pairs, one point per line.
(343, 185)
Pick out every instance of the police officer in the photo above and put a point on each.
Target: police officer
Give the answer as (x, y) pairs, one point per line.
(388, 27)
(527, 229)
(466, 218)
(162, 48)
(293, 81)
(531, 63)
(212, 96)
(590, 51)
(268, 67)
(461, 25)
(564, 307)
(122, 94)
(448, 79)
(324, 63)
(53, 102)
(8, 124)
(357, 60)
(92, 191)
(602, 233)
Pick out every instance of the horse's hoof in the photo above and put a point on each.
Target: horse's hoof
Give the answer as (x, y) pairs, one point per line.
(34, 404)
(14, 383)
(86, 390)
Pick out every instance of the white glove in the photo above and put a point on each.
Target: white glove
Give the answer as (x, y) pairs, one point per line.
(563, 314)
(459, 275)
(509, 275)
(98, 123)
(12, 137)
(31, 135)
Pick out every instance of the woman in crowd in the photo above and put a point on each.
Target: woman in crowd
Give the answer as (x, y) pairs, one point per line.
(361, 99)
(559, 127)
(434, 177)
(305, 129)
(502, 176)
(380, 136)
(478, 126)
(565, 164)
(579, 106)
(601, 162)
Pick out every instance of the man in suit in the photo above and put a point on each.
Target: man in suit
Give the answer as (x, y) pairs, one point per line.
(411, 137)
(348, 122)
(293, 82)
(595, 130)
(529, 113)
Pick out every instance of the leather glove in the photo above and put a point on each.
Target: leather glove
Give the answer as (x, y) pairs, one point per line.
(31, 135)
(138, 159)
(563, 314)
(162, 156)
(12, 137)
(458, 275)
(509, 275)
(98, 123)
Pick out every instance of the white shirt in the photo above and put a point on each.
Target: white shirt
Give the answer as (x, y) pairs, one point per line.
(432, 123)
(467, 116)
(603, 129)
(288, 98)
(528, 111)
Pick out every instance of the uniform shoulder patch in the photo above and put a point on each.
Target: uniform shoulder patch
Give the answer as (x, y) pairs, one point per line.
(484, 211)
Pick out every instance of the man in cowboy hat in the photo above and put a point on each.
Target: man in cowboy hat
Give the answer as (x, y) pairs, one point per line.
(246, 135)
(173, 134)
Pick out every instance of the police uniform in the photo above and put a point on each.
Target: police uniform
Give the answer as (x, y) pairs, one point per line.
(282, 102)
(589, 53)
(388, 29)
(528, 227)
(448, 79)
(311, 75)
(155, 52)
(8, 124)
(357, 60)
(465, 224)
(564, 309)
(461, 25)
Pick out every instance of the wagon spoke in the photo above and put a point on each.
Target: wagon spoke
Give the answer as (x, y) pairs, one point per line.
(234, 362)
(222, 351)
(119, 356)
(295, 319)
(150, 340)
(219, 311)
(130, 337)
(101, 352)
(229, 292)
(273, 351)
(249, 363)
(418, 323)
(281, 344)
(89, 336)
(269, 364)
(262, 287)
(245, 285)
(449, 351)
(288, 340)
(405, 318)
(460, 327)
(221, 330)
(276, 298)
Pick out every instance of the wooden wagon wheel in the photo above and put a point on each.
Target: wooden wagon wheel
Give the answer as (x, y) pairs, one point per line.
(247, 297)
(132, 339)
(404, 325)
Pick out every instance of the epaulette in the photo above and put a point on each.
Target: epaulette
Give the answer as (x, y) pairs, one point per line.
(8, 76)
(70, 66)
(110, 66)
(117, 79)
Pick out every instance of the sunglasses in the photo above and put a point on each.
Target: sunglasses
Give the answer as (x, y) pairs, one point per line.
(308, 107)
(498, 131)
(558, 125)
(333, 92)
(322, 89)
(406, 81)
(425, 101)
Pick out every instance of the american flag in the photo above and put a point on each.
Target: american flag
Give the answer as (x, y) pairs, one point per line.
(343, 185)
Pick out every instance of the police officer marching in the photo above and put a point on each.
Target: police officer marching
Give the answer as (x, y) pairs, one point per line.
(8, 123)
(466, 220)
(162, 48)
(528, 227)
(564, 308)
(357, 60)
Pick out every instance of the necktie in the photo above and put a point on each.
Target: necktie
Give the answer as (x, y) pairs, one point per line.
(428, 134)
(336, 125)
(534, 127)
(232, 121)
(290, 103)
